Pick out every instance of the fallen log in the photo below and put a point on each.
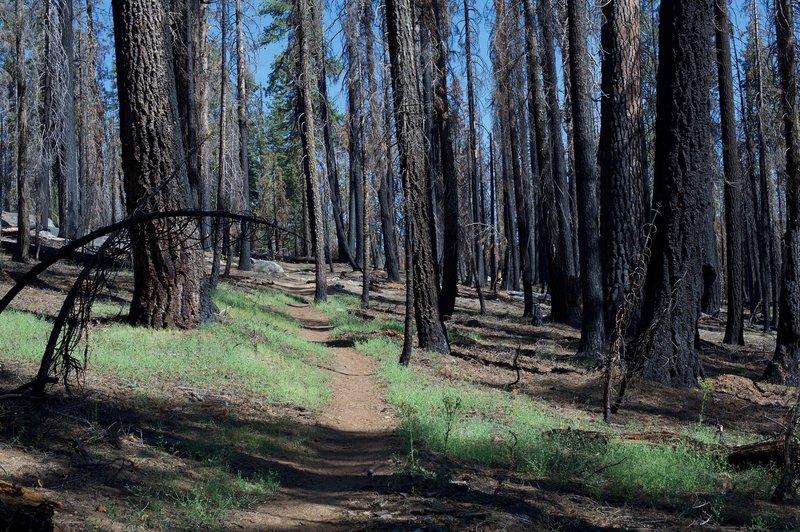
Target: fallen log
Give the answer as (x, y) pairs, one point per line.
(762, 454)
(24, 509)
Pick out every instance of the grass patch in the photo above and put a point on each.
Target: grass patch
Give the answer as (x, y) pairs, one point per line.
(347, 325)
(202, 504)
(498, 428)
(255, 346)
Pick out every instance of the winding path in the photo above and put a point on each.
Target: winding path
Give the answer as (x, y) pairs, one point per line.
(352, 440)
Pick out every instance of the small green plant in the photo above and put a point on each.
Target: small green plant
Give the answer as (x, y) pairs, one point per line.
(407, 412)
(452, 407)
(707, 387)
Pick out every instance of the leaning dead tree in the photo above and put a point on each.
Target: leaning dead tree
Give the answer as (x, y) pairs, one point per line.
(61, 360)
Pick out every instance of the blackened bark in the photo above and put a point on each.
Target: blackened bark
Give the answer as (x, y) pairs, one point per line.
(386, 191)
(355, 98)
(473, 160)
(70, 215)
(22, 251)
(683, 157)
(184, 14)
(245, 261)
(308, 140)
(785, 366)
(712, 287)
(541, 166)
(403, 53)
(493, 214)
(433, 164)
(767, 247)
(167, 265)
(621, 153)
(734, 180)
(438, 20)
(588, 197)
(562, 269)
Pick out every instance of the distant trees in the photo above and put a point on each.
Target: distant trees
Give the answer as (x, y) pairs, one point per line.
(511, 203)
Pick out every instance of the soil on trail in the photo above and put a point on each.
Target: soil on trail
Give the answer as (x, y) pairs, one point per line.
(354, 438)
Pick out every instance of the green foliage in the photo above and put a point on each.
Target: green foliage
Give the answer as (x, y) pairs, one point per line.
(495, 427)
(279, 13)
(346, 324)
(201, 505)
(254, 346)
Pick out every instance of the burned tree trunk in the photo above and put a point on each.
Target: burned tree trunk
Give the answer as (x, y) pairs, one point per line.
(562, 269)
(308, 141)
(168, 274)
(408, 111)
(785, 366)
(668, 333)
(588, 197)
(437, 20)
(621, 152)
(22, 252)
(245, 260)
(734, 180)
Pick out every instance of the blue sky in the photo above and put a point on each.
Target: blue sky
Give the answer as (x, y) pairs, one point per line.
(261, 57)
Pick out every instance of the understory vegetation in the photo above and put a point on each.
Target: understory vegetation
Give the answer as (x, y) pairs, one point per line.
(461, 421)
(207, 467)
(253, 345)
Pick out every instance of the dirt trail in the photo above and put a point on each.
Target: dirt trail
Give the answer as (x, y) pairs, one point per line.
(352, 441)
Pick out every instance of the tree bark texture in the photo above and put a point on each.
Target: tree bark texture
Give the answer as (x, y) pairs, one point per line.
(438, 20)
(408, 109)
(734, 179)
(168, 267)
(674, 282)
(785, 366)
(308, 141)
(245, 239)
(621, 152)
(22, 251)
(588, 193)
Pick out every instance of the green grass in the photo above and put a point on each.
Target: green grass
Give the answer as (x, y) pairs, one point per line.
(199, 505)
(498, 428)
(345, 326)
(254, 346)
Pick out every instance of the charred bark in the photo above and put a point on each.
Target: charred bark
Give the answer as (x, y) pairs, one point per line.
(734, 180)
(668, 334)
(408, 111)
(785, 366)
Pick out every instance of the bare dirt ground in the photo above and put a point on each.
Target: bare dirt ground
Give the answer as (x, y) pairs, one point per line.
(353, 435)
(338, 466)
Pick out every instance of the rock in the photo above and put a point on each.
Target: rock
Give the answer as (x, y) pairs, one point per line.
(266, 266)
(9, 219)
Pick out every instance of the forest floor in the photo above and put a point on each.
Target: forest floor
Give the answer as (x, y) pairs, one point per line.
(504, 434)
